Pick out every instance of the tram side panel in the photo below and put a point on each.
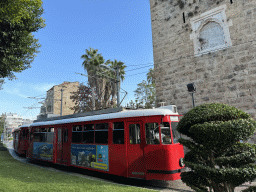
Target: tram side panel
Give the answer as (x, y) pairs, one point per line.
(29, 154)
(135, 148)
(23, 141)
(118, 148)
(41, 143)
(67, 132)
(162, 163)
(90, 145)
(62, 144)
(100, 146)
(163, 154)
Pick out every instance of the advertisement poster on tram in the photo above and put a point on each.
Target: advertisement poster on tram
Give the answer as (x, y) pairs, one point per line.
(91, 156)
(43, 150)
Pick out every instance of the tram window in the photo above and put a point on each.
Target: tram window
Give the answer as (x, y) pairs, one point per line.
(31, 135)
(26, 133)
(77, 134)
(88, 133)
(175, 133)
(77, 128)
(37, 137)
(152, 133)
(165, 133)
(118, 133)
(101, 126)
(134, 131)
(89, 127)
(65, 135)
(23, 135)
(101, 133)
(59, 135)
(49, 137)
(43, 137)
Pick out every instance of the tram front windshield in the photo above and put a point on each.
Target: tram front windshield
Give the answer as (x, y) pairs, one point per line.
(166, 134)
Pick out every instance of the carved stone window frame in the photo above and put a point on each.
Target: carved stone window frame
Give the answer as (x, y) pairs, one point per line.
(217, 15)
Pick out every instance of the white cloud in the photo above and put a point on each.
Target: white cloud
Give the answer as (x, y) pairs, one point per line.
(25, 90)
(15, 91)
(43, 87)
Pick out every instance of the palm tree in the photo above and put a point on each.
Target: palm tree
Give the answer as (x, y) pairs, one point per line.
(92, 60)
(111, 84)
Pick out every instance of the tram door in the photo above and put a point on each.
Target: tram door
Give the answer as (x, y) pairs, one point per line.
(136, 167)
(63, 146)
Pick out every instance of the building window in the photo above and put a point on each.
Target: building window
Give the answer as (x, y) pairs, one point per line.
(211, 31)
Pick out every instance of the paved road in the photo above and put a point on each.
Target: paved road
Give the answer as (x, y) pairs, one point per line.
(170, 186)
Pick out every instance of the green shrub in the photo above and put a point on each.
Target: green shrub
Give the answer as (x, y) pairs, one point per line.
(216, 158)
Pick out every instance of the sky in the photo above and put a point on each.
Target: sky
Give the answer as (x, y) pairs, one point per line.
(119, 29)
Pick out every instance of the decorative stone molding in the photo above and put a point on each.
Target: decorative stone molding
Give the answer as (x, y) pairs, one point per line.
(211, 31)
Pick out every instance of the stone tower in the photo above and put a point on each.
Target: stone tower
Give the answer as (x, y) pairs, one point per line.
(211, 43)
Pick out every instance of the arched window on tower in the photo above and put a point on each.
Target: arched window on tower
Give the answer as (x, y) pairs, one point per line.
(210, 31)
(211, 36)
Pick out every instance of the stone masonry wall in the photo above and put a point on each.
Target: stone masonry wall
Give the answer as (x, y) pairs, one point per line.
(67, 103)
(224, 76)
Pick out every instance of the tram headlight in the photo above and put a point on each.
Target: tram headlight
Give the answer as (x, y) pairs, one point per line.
(181, 162)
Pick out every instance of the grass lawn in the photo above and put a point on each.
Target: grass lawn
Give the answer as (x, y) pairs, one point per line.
(16, 176)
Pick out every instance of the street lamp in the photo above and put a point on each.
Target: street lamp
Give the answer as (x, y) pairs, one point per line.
(191, 89)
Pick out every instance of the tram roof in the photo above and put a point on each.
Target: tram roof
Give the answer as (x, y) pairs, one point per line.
(166, 110)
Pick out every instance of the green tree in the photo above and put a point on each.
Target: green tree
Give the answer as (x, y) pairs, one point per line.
(217, 158)
(2, 120)
(133, 105)
(83, 99)
(145, 93)
(18, 19)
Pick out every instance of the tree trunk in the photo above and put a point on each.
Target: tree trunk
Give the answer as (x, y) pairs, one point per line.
(222, 187)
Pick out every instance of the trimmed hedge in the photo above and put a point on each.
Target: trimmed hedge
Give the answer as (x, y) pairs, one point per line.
(217, 159)
(209, 112)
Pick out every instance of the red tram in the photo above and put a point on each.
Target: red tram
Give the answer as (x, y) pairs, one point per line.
(132, 143)
(20, 140)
